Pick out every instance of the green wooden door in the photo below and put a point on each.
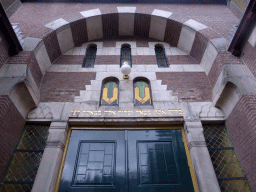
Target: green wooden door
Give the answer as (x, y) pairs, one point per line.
(135, 161)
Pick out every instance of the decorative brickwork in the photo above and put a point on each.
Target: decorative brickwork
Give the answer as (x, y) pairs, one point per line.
(172, 32)
(79, 32)
(187, 86)
(249, 57)
(62, 87)
(107, 59)
(3, 50)
(70, 59)
(241, 126)
(181, 59)
(199, 47)
(110, 25)
(52, 46)
(11, 127)
(223, 58)
(141, 25)
(28, 57)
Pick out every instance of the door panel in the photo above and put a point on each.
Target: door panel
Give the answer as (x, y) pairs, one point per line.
(157, 162)
(134, 161)
(94, 162)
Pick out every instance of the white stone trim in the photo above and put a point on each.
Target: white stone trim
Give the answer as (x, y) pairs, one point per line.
(161, 13)
(56, 24)
(186, 39)
(157, 27)
(126, 9)
(195, 25)
(91, 13)
(65, 38)
(126, 23)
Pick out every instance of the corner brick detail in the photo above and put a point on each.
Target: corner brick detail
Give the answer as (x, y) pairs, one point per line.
(241, 126)
(11, 127)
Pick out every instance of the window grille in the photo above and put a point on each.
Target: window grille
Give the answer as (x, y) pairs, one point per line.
(22, 170)
(161, 57)
(90, 56)
(226, 165)
(126, 55)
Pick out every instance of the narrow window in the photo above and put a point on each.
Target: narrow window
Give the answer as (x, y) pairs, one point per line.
(126, 55)
(109, 93)
(160, 56)
(90, 56)
(142, 92)
(226, 165)
(22, 170)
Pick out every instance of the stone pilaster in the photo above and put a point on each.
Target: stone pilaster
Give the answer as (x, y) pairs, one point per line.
(205, 174)
(49, 167)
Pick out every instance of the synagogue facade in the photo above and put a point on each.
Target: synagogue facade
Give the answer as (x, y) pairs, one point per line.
(181, 120)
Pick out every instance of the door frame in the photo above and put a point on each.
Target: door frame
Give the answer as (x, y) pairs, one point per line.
(123, 128)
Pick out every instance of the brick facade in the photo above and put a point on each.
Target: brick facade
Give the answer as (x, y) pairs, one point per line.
(186, 86)
(249, 57)
(241, 126)
(3, 50)
(11, 127)
(27, 57)
(62, 87)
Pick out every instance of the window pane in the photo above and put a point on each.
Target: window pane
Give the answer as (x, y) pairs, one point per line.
(90, 56)
(126, 56)
(160, 56)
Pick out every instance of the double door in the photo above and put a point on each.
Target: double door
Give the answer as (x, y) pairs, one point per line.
(126, 161)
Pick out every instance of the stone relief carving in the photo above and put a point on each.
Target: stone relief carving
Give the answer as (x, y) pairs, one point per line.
(41, 112)
(209, 110)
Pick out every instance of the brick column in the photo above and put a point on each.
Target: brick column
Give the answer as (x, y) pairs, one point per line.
(49, 167)
(205, 174)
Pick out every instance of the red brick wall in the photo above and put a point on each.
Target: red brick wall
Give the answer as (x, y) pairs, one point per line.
(27, 57)
(3, 50)
(62, 87)
(223, 58)
(241, 126)
(249, 57)
(11, 127)
(188, 86)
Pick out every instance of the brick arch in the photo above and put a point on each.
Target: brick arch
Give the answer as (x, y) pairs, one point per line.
(188, 35)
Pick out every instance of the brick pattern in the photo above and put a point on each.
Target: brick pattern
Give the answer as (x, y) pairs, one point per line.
(79, 32)
(241, 126)
(172, 32)
(11, 127)
(223, 58)
(142, 25)
(52, 46)
(3, 50)
(110, 25)
(62, 87)
(28, 57)
(70, 59)
(107, 59)
(188, 86)
(115, 59)
(199, 46)
(181, 59)
(249, 57)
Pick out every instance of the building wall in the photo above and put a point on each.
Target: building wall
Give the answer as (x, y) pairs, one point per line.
(3, 50)
(11, 127)
(242, 131)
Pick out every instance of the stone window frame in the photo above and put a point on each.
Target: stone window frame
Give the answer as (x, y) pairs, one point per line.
(123, 46)
(91, 53)
(158, 55)
(106, 80)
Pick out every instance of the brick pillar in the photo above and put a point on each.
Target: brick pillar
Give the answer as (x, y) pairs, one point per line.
(49, 167)
(205, 174)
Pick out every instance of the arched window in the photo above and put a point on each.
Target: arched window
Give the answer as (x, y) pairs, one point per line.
(160, 56)
(142, 92)
(126, 55)
(110, 92)
(90, 56)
